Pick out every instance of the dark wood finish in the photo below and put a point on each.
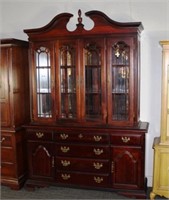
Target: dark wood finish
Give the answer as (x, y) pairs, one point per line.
(85, 105)
(14, 111)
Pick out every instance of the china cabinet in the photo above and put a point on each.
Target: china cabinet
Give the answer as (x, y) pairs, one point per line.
(85, 129)
(14, 103)
(161, 144)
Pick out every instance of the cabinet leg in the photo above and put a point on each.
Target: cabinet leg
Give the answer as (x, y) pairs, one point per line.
(152, 195)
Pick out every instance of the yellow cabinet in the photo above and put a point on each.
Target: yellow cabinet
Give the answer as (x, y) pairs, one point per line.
(161, 144)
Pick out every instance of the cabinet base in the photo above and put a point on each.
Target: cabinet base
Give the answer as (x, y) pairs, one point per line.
(31, 185)
(13, 183)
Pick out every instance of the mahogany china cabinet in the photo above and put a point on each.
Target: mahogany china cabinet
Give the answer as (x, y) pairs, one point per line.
(85, 129)
(14, 106)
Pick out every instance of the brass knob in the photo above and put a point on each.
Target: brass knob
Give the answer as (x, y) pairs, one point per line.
(3, 139)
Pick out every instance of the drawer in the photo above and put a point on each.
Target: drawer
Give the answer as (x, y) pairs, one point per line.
(83, 165)
(83, 151)
(80, 136)
(83, 179)
(7, 154)
(6, 140)
(39, 135)
(126, 139)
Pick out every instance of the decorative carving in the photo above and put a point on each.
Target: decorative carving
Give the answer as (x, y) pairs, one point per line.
(65, 176)
(64, 136)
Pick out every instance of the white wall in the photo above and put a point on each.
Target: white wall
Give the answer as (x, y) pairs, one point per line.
(16, 15)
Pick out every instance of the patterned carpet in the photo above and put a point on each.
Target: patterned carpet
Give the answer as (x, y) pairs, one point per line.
(60, 193)
(57, 193)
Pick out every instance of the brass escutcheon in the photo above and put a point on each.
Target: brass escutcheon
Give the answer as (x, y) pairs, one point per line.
(64, 149)
(97, 138)
(65, 163)
(65, 176)
(98, 179)
(64, 136)
(39, 134)
(125, 139)
(98, 151)
(97, 165)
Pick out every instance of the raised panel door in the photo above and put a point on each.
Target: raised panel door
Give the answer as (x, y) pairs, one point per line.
(41, 160)
(127, 168)
(5, 87)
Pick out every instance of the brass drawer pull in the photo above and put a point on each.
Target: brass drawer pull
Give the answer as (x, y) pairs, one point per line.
(65, 176)
(97, 138)
(98, 151)
(64, 136)
(64, 149)
(98, 179)
(3, 139)
(125, 139)
(97, 165)
(39, 134)
(65, 163)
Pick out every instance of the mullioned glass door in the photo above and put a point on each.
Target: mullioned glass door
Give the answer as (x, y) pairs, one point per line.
(42, 82)
(120, 103)
(68, 80)
(94, 84)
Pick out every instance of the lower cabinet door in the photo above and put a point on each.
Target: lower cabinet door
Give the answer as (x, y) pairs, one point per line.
(126, 169)
(41, 160)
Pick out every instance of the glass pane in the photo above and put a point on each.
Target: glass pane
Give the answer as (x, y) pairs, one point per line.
(43, 80)
(44, 105)
(120, 81)
(93, 81)
(68, 82)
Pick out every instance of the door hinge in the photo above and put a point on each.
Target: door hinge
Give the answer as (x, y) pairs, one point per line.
(112, 167)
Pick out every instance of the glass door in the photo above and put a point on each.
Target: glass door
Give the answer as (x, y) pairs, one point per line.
(94, 74)
(119, 83)
(68, 80)
(42, 84)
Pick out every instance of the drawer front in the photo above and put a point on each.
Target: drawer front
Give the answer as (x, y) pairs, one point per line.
(85, 165)
(81, 136)
(126, 139)
(98, 152)
(6, 140)
(39, 135)
(81, 179)
(8, 169)
(7, 155)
